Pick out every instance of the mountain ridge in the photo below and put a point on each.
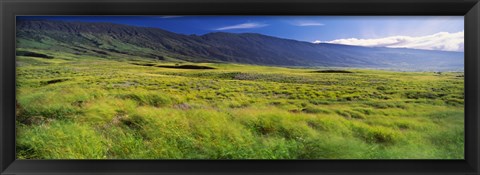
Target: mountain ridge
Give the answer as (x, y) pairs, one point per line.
(249, 48)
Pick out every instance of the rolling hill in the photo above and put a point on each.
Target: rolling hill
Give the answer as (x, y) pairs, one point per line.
(119, 41)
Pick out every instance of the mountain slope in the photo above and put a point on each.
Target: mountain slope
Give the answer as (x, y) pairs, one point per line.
(114, 40)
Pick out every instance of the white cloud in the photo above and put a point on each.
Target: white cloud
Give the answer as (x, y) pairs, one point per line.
(440, 41)
(243, 26)
(307, 23)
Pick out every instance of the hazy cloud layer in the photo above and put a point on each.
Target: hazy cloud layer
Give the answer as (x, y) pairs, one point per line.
(440, 41)
(243, 26)
(307, 23)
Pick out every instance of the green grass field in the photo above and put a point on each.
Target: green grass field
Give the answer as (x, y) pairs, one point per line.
(81, 107)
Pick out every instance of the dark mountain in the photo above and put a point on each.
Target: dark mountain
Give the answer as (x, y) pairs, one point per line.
(114, 40)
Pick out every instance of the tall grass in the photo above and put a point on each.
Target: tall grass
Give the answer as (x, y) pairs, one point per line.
(77, 107)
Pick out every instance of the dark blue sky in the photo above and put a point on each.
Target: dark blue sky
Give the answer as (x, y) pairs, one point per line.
(304, 28)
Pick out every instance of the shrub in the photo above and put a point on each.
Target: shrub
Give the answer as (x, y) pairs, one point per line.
(320, 102)
(454, 101)
(366, 111)
(379, 134)
(315, 110)
(152, 99)
(386, 105)
(350, 114)
(35, 114)
(420, 94)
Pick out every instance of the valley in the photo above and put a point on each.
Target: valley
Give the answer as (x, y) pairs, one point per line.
(111, 91)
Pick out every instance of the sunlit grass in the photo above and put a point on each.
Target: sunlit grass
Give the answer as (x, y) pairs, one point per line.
(74, 106)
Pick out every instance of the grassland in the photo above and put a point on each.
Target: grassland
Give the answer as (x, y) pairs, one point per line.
(81, 107)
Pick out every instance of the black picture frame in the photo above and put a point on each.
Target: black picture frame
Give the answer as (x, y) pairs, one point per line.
(470, 9)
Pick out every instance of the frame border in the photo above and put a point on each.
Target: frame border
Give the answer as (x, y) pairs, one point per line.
(11, 8)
